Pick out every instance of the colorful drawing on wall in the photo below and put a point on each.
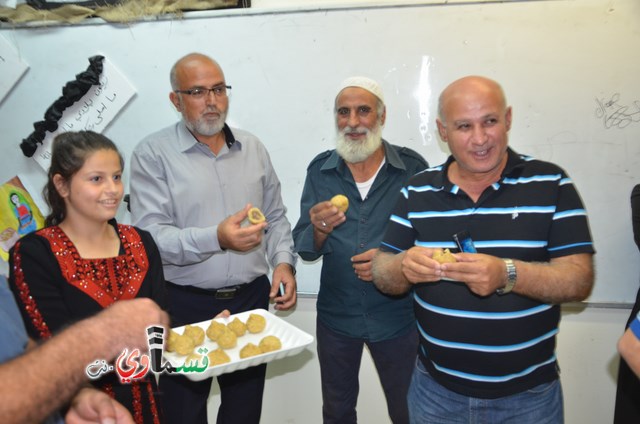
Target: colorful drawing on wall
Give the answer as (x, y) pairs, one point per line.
(19, 215)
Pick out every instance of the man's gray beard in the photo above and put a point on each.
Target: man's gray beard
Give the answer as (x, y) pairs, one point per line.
(358, 151)
(206, 128)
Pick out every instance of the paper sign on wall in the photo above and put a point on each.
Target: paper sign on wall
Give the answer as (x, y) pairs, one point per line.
(92, 112)
(11, 67)
(19, 215)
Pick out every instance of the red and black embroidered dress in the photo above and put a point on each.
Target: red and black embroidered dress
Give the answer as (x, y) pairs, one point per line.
(55, 287)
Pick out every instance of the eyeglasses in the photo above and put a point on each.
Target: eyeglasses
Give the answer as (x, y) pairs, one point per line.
(219, 91)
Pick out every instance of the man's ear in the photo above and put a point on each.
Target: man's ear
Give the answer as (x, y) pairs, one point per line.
(175, 99)
(442, 130)
(61, 185)
(383, 118)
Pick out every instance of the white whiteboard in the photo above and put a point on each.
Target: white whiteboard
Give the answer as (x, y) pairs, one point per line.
(558, 61)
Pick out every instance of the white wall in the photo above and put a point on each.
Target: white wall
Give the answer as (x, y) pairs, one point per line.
(586, 351)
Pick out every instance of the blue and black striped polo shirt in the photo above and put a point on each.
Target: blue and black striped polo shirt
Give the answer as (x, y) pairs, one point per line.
(492, 346)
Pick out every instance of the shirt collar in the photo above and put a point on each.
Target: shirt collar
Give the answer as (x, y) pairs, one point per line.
(391, 156)
(515, 161)
(187, 140)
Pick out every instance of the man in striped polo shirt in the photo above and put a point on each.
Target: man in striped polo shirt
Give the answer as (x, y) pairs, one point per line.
(487, 322)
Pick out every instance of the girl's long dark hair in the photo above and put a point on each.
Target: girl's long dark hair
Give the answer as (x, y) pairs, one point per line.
(68, 154)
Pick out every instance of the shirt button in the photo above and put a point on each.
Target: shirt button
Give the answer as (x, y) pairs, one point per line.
(361, 245)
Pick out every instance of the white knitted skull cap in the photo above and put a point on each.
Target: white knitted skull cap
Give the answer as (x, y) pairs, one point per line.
(365, 83)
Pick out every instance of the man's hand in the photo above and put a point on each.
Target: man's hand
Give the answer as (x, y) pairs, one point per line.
(325, 217)
(483, 274)
(126, 322)
(418, 266)
(91, 406)
(362, 264)
(283, 273)
(232, 235)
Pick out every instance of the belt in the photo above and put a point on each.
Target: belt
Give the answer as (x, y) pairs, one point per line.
(228, 292)
(222, 293)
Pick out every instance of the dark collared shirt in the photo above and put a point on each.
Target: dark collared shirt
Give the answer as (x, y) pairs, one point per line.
(347, 304)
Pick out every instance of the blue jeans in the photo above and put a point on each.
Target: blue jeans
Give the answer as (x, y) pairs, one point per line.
(340, 358)
(431, 403)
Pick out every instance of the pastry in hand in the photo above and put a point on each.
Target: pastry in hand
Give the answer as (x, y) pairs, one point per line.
(341, 202)
(443, 256)
(255, 216)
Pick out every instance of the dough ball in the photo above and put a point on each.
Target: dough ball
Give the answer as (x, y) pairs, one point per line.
(227, 339)
(215, 329)
(443, 256)
(171, 341)
(256, 323)
(195, 332)
(218, 357)
(255, 216)
(184, 345)
(250, 350)
(270, 343)
(237, 327)
(341, 202)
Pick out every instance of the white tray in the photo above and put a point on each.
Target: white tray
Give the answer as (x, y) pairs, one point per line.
(293, 341)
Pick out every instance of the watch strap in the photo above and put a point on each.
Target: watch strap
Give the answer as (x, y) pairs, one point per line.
(512, 277)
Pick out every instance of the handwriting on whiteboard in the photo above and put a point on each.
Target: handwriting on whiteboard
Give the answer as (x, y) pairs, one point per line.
(614, 114)
(93, 112)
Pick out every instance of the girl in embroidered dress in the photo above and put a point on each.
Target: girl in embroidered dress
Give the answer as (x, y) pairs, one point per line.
(83, 260)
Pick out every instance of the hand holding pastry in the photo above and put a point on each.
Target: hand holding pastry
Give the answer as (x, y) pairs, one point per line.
(325, 216)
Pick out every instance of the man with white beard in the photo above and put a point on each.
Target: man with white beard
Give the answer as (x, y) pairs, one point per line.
(351, 311)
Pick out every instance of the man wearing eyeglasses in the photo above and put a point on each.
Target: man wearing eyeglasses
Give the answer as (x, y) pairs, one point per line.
(192, 185)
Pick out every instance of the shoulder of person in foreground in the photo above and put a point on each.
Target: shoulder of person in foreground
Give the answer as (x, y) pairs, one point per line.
(42, 380)
(629, 346)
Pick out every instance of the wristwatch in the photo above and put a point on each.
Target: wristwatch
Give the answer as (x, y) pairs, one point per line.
(512, 277)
